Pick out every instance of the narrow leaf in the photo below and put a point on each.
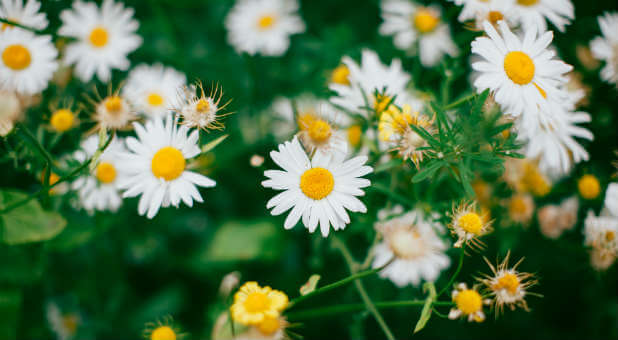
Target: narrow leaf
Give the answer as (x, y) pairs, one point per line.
(426, 312)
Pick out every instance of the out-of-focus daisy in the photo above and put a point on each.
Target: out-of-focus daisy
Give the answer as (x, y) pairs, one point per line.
(409, 23)
(523, 175)
(28, 61)
(418, 252)
(200, 110)
(486, 10)
(99, 190)
(468, 304)
(589, 187)
(152, 90)
(318, 190)
(63, 119)
(263, 26)
(271, 328)
(105, 36)
(113, 112)
(605, 47)
(10, 111)
(468, 225)
(369, 78)
(521, 208)
(24, 14)
(601, 232)
(254, 304)
(601, 260)
(521, 73)
(533, 13)
(555, 219)
(156, 166)
(611, 199)
(508, 286)
(64, 324)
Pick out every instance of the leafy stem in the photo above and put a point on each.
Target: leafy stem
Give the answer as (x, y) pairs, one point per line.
(459, 265)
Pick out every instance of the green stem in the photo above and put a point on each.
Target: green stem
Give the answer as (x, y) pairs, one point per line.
(450, 283)
(31, 29)
(352, 265)
(40, 148)
(355, 307)
(459, 102)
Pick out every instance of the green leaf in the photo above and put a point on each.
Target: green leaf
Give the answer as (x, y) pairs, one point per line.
(428, 170)
(27, 223)
(213, 144)
(310, 285)
(428, 287)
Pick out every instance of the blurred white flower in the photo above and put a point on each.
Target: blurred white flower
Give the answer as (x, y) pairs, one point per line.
(533, 13)
(605, 47)
(24, 14)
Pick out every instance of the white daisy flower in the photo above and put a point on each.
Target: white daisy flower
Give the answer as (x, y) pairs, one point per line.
(409, 23)
(155, 167)
(105, 36)
(418, 252)
(153, 89)
(601, 232)
(263, 26)
(318, 190)
(24, 14)
(606, 46)
(521, 73)
(113, 112)
(481, 10)
(99, 190)
(367, 78)
(533, 13)
(28, 61)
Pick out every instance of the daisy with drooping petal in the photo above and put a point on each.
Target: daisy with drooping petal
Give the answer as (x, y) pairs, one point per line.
(200, 110)
(521, 73)
(373, 86)
(99, 190)
(263, 26)
(533, 13)
(508, 286)
(253, 304)
(24, 14)
(409, 24)
(605, 47)
(418, 252)
(28, 61)
(319, 190)
(105, 36)
(152, 89)
(468, 304)
(156, 166)
(468, 225)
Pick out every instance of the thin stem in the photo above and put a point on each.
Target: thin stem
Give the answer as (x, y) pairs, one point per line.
(355, 307)
(459, 102)
(40, 148)
(450, 283)
(31, 29)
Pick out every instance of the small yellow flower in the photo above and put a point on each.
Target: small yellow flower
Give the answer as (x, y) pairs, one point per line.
(468, 224)
(162, 330)
(340, 75)
(253, 304)
(589, 187)
(468, 303)
(62, 120)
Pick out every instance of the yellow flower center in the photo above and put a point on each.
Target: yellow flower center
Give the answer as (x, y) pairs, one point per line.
(113, 104)
(354, 135)
(519, 67)
(202, 105)
(168, 163)
(425, 21)
(98, 37)
(62, 120)
(381, 102)
(495, 16)
(517, 205)
(257, 302)
(527, 2)
(106, 172)
(589, 187)
(407, 244)
(340, 75)
(319, 131)
(266, 22)
(610, 236)
(471, 223)
(16, 57)
(468, 301)
(269, 326)
(304, 120)
(317, 183)
(155, 99)
(163, 333)
(508, 281)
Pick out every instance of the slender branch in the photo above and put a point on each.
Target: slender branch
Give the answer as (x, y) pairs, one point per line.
(459, 102)
(40, 148)
(354, 307)
(450, 283)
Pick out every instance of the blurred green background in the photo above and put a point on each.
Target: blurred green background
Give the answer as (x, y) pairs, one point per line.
(119, 271)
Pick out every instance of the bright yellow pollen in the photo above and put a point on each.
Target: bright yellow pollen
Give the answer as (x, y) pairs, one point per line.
(495, 16)
(168, 163)
(163, 333)
(425, 21)
(269, 326)
(317, 183)
(527, 2)
(16, 57)
(113, 104)
(304, 120)
(381, 102)
(266, 22)
(471, 223)
(106, 172)
(354, 135)
(519, 67)
(202, 105)
(340, 75)
(509, 282)
(155, 99)
(319, 131)
(98, 37)
(589, 187)
(257, 302)
(62, 120)
(541, 91)
(468, 301)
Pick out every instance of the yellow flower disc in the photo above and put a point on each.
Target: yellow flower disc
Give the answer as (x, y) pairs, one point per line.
(317, 183)
(471, 223)
(425, 21)
(589, 187)
(98, 37)
(16, 57)
(168, 163)
(62, 120)
(519, 67)
(468, 301)
(106, 172)
(163, 333)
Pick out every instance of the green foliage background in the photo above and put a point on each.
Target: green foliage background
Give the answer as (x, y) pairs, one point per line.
(122, 270)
